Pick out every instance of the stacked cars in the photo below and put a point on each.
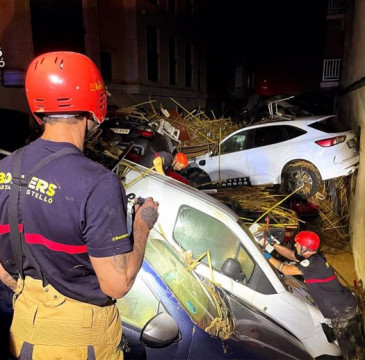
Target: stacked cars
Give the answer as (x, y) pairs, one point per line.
(223, 250)
(171, 312)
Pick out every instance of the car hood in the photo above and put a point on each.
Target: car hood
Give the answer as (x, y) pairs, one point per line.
(254, 326)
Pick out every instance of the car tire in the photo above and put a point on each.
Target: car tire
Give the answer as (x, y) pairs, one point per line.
(196, 176)
(298, 174)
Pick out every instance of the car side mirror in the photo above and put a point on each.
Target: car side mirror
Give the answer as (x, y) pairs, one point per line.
(232, 268)
(160, 331)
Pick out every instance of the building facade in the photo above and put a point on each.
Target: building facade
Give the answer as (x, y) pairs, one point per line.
(147, 50)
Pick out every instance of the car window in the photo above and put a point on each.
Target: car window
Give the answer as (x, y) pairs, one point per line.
(185, 285)
(235, 143)
(269, 135)
(330, 125)
(139, 305)
(293, 131)
(199, 232)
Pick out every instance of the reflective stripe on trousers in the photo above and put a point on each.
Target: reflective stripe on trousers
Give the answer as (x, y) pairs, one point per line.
(47, 325)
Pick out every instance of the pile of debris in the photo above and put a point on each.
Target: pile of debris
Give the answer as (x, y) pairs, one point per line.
(197, 132)
(333, 221)
(261, 210)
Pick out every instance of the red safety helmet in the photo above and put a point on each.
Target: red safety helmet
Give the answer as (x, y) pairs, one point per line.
(65, 82)
(181, 159)
(309, 239)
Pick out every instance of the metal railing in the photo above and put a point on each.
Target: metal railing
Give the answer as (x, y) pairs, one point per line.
(331, 69)
(336, 7)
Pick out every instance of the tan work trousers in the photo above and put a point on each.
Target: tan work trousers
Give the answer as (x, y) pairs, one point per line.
(47, 326)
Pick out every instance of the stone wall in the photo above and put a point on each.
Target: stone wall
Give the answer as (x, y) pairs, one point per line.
(352, 110)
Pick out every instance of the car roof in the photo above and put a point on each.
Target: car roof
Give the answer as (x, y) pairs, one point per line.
(305, 120)
(172, 185)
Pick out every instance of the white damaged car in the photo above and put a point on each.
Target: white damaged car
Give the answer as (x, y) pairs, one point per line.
(212, 238)
(300, 152)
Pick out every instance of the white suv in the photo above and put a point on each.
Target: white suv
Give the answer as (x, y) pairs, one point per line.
(202, 228)
(297, 152)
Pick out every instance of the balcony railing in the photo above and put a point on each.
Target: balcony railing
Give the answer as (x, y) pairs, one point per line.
(331, 70)
(336, 7)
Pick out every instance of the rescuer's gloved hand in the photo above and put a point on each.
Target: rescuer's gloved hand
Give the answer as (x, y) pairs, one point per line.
(267, 255)
(158, 164)
(272, 240)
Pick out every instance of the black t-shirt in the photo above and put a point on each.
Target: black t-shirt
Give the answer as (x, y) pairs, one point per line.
(73, 207)
(331, 297)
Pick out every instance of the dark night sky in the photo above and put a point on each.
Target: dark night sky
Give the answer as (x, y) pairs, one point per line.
(281, 34)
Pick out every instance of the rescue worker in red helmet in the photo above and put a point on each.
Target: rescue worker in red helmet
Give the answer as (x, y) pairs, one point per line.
(65, 247)
(334, 300)
(163, 161)
(180, 161)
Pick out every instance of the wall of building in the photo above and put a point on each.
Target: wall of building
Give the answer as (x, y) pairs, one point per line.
(16, 43)
(352, 109)
(123, 36)
(118, 28)
(17, 49)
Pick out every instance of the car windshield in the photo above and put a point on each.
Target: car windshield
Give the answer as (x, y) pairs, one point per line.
(202, 302)
(248, 232)
(330, 125)
(198, 232)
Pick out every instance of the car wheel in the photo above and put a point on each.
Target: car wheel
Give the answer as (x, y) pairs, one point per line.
(301, 174)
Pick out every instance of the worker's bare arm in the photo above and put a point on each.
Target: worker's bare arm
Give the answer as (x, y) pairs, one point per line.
(283, 250)
(116, 274)
(7, 279)
(286, 269)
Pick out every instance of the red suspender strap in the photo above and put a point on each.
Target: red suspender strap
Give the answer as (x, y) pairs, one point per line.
(320, 280)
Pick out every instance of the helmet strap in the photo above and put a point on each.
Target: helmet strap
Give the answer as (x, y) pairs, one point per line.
(91, 125)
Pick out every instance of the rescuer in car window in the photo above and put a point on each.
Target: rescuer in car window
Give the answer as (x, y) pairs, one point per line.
(163, 161)
(64, 245)
(335, 301)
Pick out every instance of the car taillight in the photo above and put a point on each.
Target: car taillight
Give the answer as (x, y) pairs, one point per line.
(134, 157)
(331, 141)
(145, 133)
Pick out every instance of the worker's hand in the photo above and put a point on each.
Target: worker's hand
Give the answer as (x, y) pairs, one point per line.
(272, 240)
(267, 255)
(146, 211)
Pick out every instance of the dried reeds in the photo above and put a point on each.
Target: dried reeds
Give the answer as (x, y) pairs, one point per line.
(333, 224)
(252, 202)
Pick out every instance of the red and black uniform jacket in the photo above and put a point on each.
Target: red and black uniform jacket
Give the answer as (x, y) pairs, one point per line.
(331, 297)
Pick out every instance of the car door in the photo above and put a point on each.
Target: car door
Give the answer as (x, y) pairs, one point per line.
(145, 301)
(213, 242)
(270, 147)
(229, 160)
